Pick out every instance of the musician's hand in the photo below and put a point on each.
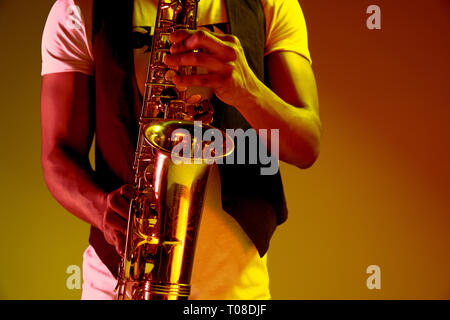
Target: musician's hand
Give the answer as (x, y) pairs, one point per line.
(115, 217)
(221, 55)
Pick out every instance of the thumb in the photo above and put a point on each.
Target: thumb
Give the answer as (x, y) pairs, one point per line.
(128, 191)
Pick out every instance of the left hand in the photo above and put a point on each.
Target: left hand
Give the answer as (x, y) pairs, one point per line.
(221, 55)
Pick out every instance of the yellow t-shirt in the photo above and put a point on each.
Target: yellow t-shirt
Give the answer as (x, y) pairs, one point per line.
(227, 264)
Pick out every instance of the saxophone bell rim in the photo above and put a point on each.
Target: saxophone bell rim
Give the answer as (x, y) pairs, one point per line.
(159, 128)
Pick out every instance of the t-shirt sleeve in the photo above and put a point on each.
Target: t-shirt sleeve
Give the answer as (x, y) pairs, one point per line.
(66, 44)
(285, 27)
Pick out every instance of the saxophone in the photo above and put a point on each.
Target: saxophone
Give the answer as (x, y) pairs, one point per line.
(165, 212)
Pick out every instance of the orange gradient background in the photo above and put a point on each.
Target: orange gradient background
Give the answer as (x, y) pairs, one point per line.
(378, 195)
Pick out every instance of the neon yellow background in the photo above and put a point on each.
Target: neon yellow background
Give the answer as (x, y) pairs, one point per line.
(377, 195)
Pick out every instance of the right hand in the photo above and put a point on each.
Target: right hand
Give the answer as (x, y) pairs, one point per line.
(115, 217)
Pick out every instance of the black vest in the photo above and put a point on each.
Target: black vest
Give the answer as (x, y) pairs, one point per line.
(255, 201)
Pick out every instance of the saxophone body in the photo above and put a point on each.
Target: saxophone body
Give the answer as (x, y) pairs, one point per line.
(165, 212)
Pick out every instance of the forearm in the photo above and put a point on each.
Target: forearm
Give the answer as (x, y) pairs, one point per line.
(292, 106)
(299, 127)
(72, 184)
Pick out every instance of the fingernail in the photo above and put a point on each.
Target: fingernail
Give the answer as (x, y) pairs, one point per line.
(170, 74)
(195, 98)
(167, 59)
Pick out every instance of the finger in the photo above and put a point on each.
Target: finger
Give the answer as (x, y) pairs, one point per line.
(120, 244)
(227, 38)
(195, 98)
(110, 238)
(201, 80)
(198, 59)
(119, 204)
(116, 222)
(180, 35)
(128, 191)
(185, 40)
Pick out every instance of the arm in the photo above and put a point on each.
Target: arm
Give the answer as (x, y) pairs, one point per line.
(67, 132)
(292, 106)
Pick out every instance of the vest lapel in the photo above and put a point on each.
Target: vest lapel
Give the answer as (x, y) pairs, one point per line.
(247, 22)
